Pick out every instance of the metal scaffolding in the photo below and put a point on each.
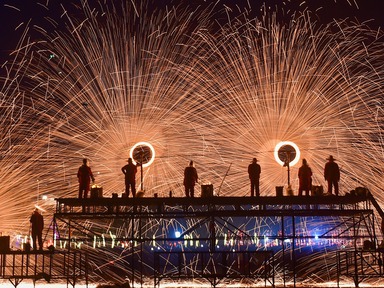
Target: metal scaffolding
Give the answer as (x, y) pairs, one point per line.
(212, 238)
(70, 266)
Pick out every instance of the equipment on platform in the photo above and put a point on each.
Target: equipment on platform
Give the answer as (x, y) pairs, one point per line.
(279, 191)
(289, 190)
(206, 190)
(96, 191)
(4, 243)
(140, 194)
(26, 246)
(361, 191)
(317, 190)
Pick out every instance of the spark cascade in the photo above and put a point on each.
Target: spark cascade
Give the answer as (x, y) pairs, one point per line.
(104, 83)
(101, 78)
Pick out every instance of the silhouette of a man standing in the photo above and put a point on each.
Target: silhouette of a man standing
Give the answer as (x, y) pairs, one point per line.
(37, 223)
(190, 179)
(305, 178)
(129, 171)
(84, 175)
(332, 175)
(254, 171)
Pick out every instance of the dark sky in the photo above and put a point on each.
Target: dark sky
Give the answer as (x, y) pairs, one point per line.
(326, 10)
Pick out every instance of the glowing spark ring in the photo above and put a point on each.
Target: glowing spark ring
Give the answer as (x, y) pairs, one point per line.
(143, 144)
(287, 143)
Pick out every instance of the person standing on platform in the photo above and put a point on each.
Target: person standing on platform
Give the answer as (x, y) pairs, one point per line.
(254, 171)
(332, 175)
(37, 223)
(305, 178)
(190, 179)
(85, 175)
(130, 171)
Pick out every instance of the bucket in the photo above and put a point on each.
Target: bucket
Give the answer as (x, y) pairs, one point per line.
(279, 191)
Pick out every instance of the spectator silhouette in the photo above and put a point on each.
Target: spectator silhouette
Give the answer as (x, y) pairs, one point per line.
(254, 171)
(190, 179)
(130, 171)
(332, 175)
(84, 175)
(305, 178)
(37, 223)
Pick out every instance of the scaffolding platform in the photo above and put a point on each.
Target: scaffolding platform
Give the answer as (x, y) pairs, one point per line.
(181, 206)
(16, 266)
(223, 230)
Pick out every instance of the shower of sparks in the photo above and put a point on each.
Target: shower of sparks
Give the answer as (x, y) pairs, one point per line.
(319, 88)
(104, 78)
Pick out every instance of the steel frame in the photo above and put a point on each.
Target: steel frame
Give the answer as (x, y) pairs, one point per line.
(143, 222)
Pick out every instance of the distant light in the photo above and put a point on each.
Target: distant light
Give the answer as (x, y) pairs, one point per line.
(44, 197)
(177, 234)
(316, 237)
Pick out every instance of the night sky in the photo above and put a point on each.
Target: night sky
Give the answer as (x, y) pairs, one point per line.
(326, 10)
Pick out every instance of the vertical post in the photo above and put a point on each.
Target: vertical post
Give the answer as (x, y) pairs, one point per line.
(283, 246)
(293, 250)
(141, 171)
(287, 161)
(133, 248)
(54, 230)
(74, 268)
(69, 235)
(338, 270)
(355, 236)
(212, 232)
(141, 246)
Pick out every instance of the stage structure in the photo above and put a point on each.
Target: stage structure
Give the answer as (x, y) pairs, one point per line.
(50, 266)
(275, 240)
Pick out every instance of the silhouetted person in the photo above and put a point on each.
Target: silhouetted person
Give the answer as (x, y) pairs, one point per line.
(332, 175)
(254, 171)
(190, 179)
(305, 178)
(130, 171)
(84, 175)
(37, 223)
